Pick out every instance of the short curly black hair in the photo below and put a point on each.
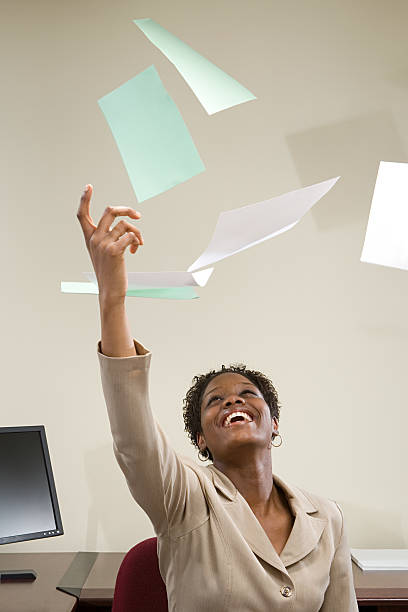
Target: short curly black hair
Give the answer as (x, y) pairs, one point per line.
(192, 401)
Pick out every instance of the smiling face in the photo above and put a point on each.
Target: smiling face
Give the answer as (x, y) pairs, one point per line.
(234, 417)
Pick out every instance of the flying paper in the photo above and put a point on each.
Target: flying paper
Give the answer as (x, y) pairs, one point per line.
(386, 240)
(215, 89)
(171, 285)
(153, 140)
(149, 280)
(242, 228)
(169, 293)
(75, 287)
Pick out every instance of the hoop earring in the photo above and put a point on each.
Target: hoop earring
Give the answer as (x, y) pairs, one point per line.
(279, 441)
(203, 455)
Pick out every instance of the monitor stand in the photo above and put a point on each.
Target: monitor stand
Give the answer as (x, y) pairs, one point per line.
(17, 575)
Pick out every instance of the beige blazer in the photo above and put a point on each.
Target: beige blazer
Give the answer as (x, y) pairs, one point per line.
(214, 556)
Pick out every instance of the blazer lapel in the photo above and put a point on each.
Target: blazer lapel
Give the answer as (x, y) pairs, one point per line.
(253, 532)
(305, 534)
(307, 529)
(245, 520)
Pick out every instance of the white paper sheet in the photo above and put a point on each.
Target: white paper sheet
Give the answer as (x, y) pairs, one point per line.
(79, 287)
(386, 240)
(149, 280)
(242, 228)
(380, 559)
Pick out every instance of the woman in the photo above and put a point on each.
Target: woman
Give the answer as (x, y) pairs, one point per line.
(231, 535)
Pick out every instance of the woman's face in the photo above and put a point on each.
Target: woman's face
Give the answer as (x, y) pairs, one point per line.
(234, 417)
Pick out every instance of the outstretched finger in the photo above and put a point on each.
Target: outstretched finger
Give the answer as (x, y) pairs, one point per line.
(110, 214)
(83, 214)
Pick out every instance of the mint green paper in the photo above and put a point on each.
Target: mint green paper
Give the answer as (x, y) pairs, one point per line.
(215, 89)
(153, 140)
(165, 293)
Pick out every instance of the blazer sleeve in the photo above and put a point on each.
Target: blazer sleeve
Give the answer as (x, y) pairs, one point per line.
(340, 595)
(157, 478)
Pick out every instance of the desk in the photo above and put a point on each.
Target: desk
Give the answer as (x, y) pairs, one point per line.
(40, 595)
(387, 591)
(376, 591)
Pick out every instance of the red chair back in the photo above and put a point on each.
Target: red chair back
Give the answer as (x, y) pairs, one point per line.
(139, 585)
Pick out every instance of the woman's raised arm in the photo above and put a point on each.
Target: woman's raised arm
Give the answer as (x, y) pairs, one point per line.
(107, 248)
(157, 478)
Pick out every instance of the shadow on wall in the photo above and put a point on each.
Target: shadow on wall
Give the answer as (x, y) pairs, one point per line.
(352, 149)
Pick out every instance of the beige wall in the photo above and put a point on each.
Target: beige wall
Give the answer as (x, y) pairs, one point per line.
(332, 84)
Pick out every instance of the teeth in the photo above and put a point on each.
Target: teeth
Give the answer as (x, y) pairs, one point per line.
(245, 415)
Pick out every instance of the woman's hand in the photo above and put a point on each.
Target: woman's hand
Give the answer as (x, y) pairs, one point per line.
(107, 246)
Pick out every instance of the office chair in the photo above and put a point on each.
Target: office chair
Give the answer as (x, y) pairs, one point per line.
(139, 586)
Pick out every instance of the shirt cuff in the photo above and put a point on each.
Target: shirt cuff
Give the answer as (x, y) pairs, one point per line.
(140, 351)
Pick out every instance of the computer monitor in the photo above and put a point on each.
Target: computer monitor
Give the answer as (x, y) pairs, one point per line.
(28, 500)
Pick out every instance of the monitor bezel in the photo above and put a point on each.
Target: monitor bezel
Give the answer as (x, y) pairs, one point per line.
(59, 530)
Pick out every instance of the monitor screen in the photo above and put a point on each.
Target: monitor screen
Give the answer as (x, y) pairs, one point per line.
(28, 500)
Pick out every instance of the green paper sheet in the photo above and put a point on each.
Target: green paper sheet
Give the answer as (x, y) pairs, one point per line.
(165, 293)
(153, 140)
(215, 89)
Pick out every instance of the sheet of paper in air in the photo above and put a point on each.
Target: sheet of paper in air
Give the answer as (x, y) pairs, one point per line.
(168, 293)
(149, 280)
(386, 240)
(153, 140)
(244, 227)
(74, 287)
(215, 89)
(168, 285)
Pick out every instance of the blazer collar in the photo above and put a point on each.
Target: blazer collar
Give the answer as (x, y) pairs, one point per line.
(222, 483)
(306, 531)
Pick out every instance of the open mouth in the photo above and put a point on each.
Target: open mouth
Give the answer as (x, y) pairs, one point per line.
(237, 418)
